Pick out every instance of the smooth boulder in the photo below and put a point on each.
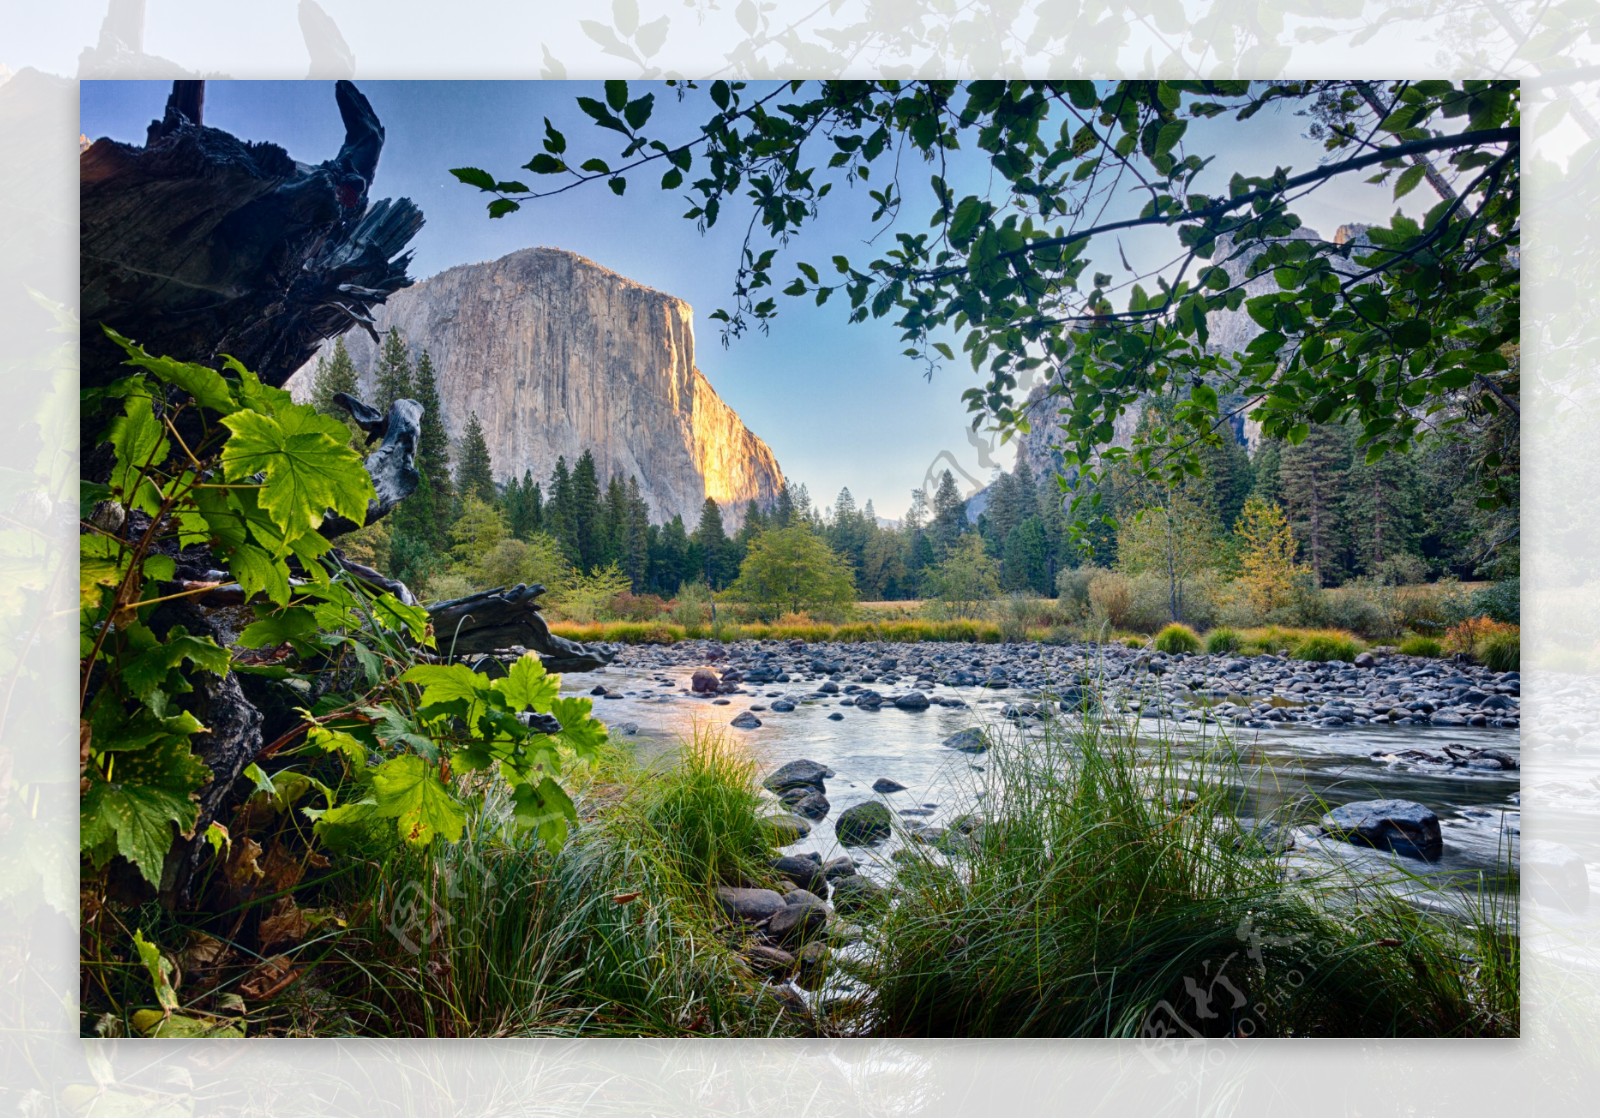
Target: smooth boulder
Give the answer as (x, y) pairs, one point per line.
(864, 824)
(1402, 826)
(804, 871)
(801, 772)
(749, 905)
(786, 828)
(973, 740)
(798, 922)
(855, 894)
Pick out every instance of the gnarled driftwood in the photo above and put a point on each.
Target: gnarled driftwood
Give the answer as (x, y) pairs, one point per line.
(506, 619)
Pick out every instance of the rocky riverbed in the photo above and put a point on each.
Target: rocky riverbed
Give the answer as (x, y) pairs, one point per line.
(874, 753)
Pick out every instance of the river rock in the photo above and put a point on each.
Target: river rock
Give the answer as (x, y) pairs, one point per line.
(1402, 826)
(749, 905)
(912, 701)
(786, 828)
(841, 866)
(805, 801)
(800, 772)
(804, 871)
(857, 894)
(746, 721)
(704, 681)
(769, 959)
(884, 785)
(973, 740)
(798, 922)
(812, 965)
(863, 824)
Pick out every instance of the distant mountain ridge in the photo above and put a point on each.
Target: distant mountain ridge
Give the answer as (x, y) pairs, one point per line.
(557, 355)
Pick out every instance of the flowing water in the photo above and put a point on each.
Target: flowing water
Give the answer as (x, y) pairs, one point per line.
(1479, 810)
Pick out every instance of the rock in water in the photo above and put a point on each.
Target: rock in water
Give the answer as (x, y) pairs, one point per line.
(912, 701)
(806, 801)
(786, 828)
(558, 355)
(884, 785)
(863, 824)
(797, 773)
(804, 871)
(1402, 826)
(704, 681)
(753, 906)
(973, 740)
(745, 721)
(855, 894)
(840, 866)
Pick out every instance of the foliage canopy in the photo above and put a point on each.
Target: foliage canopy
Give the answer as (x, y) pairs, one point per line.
(1402, 330)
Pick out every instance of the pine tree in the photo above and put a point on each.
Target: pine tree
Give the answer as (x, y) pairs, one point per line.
(558, 511)
(783, 510)
(1312, 479)
(334, 374)
(669, 558)
(475, 473)
(524, 506)
(433, 451)
(587, 514)
(712, 549)
(636, 539)
(614, 522)
(1383, 509)
(394, 374)
(949, 515)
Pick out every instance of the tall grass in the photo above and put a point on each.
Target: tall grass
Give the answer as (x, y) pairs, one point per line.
(617, 933)
(1101, 898)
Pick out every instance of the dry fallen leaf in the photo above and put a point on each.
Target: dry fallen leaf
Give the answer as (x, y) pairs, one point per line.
(285, 925)
(268, 978)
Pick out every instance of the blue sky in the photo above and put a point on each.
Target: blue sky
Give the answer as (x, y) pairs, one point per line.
(839, 404)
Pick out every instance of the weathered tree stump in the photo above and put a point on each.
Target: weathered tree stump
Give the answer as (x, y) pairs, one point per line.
(507, 619)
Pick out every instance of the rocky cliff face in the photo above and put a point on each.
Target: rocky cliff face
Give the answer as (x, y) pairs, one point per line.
(558, 355)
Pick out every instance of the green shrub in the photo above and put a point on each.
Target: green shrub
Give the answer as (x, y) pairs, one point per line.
(1223, 640)
(1072, 591)
(1328, 645)
(1500, 652)
(1421, 647)
(1501, 601)
(1177, 638)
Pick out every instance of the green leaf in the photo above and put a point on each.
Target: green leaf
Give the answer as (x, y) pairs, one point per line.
(293, 624)
(580, 732)
(543, 808)
(443, 683)
(526, 686)
(259, 573)
(616, 94)
(140, 444)
(543, 164)
(206, 386)
(306, 463)
(337, 742)
(966, 219)
(147, 672)
(159, 968)
(409, 790)
(617, 184)
(500, 207)
(474, 176)
(137, 820)
(1408, 180)
(638, 111)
